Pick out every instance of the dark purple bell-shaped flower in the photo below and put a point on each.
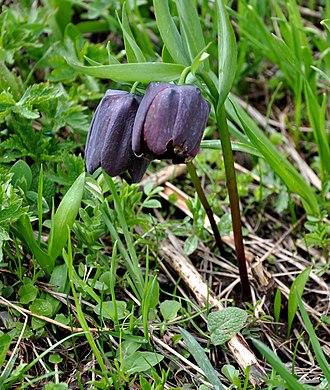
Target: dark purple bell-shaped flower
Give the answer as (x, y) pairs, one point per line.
(109, 141)
(169, 123)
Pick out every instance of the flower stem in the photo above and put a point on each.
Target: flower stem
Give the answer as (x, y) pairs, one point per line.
(198, 187)
(234, 201)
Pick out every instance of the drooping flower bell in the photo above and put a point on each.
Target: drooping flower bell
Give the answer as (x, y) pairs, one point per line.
(109, 141)
(169, 123)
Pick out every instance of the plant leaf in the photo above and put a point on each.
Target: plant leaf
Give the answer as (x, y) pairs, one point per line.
(144, 72)
(314, 340)
(227, 52)
(201, 359)
(191, 30)
(225, 324)
(65, 216)
(297, 287)
(274, 158)
(276, 363)
(169, 33)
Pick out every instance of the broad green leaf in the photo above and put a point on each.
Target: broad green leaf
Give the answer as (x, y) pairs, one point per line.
(202, 360)
(325, 367)
(141, 361)
(169, 32)
(27, 293)
(144, 72)
(41, 307)
(225, 324)
(280, 368)
(107, 310)
(297, 287)
(64, 217)
(227, 52)
(274, 158)
(191, 30)
(169, 309)
(55, 358)
(22, 175)
(190, 245)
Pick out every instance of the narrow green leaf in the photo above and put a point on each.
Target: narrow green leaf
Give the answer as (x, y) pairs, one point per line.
(326, 23)
(144, 72)
(26, 233)
(227, 52)
(65, 216)
(318, 126)
(277, 306)
(274, 158)
(297, 287)
(5, 341)
(202, 360)
(169, 32)
(325, 367)
(276, 363)
(191, 30)
(236, 146)
(133, 52)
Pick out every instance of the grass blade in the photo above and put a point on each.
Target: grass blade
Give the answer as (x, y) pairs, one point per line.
(318, 126)
(275, 362)
(274, 158)
(297, 287)
(203, 362)
(131, 258)
(315, 342)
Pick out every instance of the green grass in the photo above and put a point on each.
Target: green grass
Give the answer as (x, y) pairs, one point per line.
(86, 301)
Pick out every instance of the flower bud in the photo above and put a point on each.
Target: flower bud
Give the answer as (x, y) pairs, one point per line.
(170, 122)
(109, 141)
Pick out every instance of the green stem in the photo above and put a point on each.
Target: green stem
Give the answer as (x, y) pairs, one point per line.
(206, 205)
(234, 201)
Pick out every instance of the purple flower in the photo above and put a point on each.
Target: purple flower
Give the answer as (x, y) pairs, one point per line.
(170, 122)
(109, 141)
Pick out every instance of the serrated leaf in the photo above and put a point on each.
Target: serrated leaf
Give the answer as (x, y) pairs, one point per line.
(225, 324)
